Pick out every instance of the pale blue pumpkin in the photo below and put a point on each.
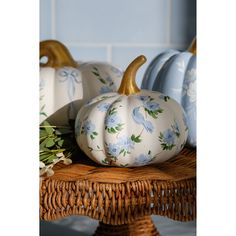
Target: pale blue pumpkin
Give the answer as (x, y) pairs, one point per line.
(174, 74)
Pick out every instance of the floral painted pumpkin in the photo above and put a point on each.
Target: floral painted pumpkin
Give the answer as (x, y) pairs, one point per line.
(131, 127)
(65, 85)
(174, 74)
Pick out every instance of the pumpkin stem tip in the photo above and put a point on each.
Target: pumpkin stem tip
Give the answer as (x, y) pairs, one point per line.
(128, 85)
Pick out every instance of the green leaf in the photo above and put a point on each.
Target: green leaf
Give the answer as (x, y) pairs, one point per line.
(43, 114)
(102, 80)
(95, 73)
(60, 143)
(119, 127)
(111, 130)
(136, 139)
(43, 143)
(121, 151)
(95, 133)
(105, 161)
(166, 98)
(51, 158)
(50, 142)
(49, 129)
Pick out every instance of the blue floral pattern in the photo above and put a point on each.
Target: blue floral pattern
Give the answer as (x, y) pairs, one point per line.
(164, 97)
(126, 145)
(123, 146)
(175, 128)
(105, 89)
(189, 85)
(109, 85)
(103, 107)
(151, 108)
(113, 121)
(113, 150)
(168, 138)
(143, 159)
(88, 128)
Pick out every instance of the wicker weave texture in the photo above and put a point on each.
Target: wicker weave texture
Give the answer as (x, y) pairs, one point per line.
(118, 203)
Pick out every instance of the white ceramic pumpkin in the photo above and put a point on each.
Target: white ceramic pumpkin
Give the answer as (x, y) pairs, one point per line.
(65, 85)
(131, 127)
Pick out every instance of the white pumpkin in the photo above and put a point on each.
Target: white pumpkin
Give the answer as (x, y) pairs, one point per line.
(65, 85)
(132, 127)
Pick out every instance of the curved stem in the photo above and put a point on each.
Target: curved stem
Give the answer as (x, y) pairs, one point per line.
(57, 54)
(193, 47)
(141, 132)
(128, 85)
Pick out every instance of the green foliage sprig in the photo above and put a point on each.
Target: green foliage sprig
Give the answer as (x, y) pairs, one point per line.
(54, 147)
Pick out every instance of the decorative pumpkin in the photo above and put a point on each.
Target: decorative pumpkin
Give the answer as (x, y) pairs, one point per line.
(174, 74)
(131, 127)
(65, 84)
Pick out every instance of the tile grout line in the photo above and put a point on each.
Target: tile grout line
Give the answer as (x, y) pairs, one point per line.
(53, 19)
(125, 45)
(109, 53)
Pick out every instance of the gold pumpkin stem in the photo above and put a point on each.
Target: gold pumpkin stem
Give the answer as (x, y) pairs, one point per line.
(128, 85)
(57, 54)
(193, 47)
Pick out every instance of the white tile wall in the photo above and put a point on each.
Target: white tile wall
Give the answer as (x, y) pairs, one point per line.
(118, 31)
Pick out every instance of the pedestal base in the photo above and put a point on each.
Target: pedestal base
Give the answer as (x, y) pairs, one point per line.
(141, 226)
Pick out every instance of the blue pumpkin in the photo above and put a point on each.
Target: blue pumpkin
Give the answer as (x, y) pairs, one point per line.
(174, 74)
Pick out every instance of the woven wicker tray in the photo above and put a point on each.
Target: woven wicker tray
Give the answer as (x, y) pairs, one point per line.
(121, 196)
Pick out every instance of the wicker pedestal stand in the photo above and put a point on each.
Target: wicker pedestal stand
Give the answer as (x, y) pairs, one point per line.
(122, 199)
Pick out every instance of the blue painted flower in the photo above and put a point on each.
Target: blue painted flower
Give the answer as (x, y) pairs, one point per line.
(105, 89)
(137, 116)
(111, 121)
(189, 85)
(109, 80)
(126, 143)
(169, 137)
(142, 159)
(103, 107)
(148, 126)
(151, 106)
(164, 97)
(113, 149)
(139, 119)
(175, 128)
(88, 127)
(144, 98)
